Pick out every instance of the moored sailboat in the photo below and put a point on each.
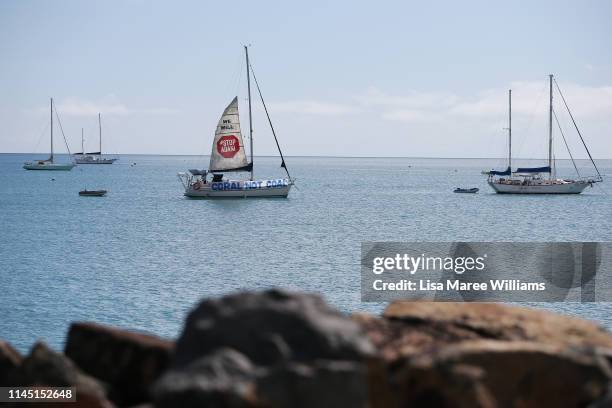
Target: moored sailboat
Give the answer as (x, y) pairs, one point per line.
(94, 157)
(532, 180)
(229, 155)
(49, 164)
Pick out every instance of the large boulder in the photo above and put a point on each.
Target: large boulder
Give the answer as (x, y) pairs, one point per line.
(129, 362)
(488, 355)
(10, 360)
(514, 374)
(410, 328)
(271, 348)
(45, 367)
(270, 327)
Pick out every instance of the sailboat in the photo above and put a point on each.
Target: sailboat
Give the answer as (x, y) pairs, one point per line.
(533, 180)
(48, 164)
(95, 157)
(229, 155)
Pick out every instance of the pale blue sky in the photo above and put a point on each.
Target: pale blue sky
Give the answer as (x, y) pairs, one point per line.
(343, 78)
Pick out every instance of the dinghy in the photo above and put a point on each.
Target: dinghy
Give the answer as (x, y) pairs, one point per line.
(466, 190)
(92, 193)
(229, 156)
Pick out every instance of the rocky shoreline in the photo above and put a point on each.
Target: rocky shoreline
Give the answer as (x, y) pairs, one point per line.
(284, 349)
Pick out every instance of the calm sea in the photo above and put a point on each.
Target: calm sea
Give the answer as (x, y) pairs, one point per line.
(142, 256)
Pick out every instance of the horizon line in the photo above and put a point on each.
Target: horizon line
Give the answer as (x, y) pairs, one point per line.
(319, 156)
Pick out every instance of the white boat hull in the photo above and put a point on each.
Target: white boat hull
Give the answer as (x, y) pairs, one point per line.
(575, 187)
(95, 161)
(48, 166)
(240, 189)
(104, 161)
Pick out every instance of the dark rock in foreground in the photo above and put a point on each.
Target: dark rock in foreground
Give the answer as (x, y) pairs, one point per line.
(221, 379)
(288, 347)
(10, 360)
(45, 367)
(282, 349)
(129, 362)
(270, 327)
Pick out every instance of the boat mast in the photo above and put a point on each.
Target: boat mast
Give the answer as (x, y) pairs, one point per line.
(82, 142)
(510, 130)
(100, 126)
(51, 158)
(550, 113)
(246, 51)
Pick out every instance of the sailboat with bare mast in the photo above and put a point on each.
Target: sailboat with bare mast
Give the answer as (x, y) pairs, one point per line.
(50, 164)
(529, 180)
(94, 157)
(229, 155)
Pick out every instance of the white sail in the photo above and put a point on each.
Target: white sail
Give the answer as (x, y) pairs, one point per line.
(228, 149)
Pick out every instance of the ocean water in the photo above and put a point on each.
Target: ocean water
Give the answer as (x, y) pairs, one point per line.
(142, 256)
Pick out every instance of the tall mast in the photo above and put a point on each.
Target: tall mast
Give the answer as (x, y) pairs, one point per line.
(51, 158)
(82, 142)
(100, 126)
(246, 51)
(550, 113)
(510, 129)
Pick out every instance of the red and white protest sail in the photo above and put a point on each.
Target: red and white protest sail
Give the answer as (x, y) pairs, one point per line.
(228, 153)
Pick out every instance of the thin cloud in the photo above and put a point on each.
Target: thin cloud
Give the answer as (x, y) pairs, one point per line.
(73, 107)
(156, 111)
(314, 108)
(107, 106)
(374, 97)
(532, 98)
(529, 98)
(408, 115)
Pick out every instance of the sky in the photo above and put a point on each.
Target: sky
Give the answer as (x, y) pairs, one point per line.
(343, 78)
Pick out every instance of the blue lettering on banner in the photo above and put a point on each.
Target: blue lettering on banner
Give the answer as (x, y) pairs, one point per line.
(276, 183)
(226, 185)
(249, 185)
(252, 184)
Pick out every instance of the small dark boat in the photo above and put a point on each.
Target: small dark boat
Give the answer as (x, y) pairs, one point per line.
(466, 190)
(92, 193)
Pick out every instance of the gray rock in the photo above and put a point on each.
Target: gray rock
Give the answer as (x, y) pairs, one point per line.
(271, 327)
(321, 384)
(221, 379)
(270, 348)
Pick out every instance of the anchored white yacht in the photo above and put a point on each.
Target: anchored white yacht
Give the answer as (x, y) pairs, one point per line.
(94, 157)
(49, 164)
(229, 155)
(533, 180)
